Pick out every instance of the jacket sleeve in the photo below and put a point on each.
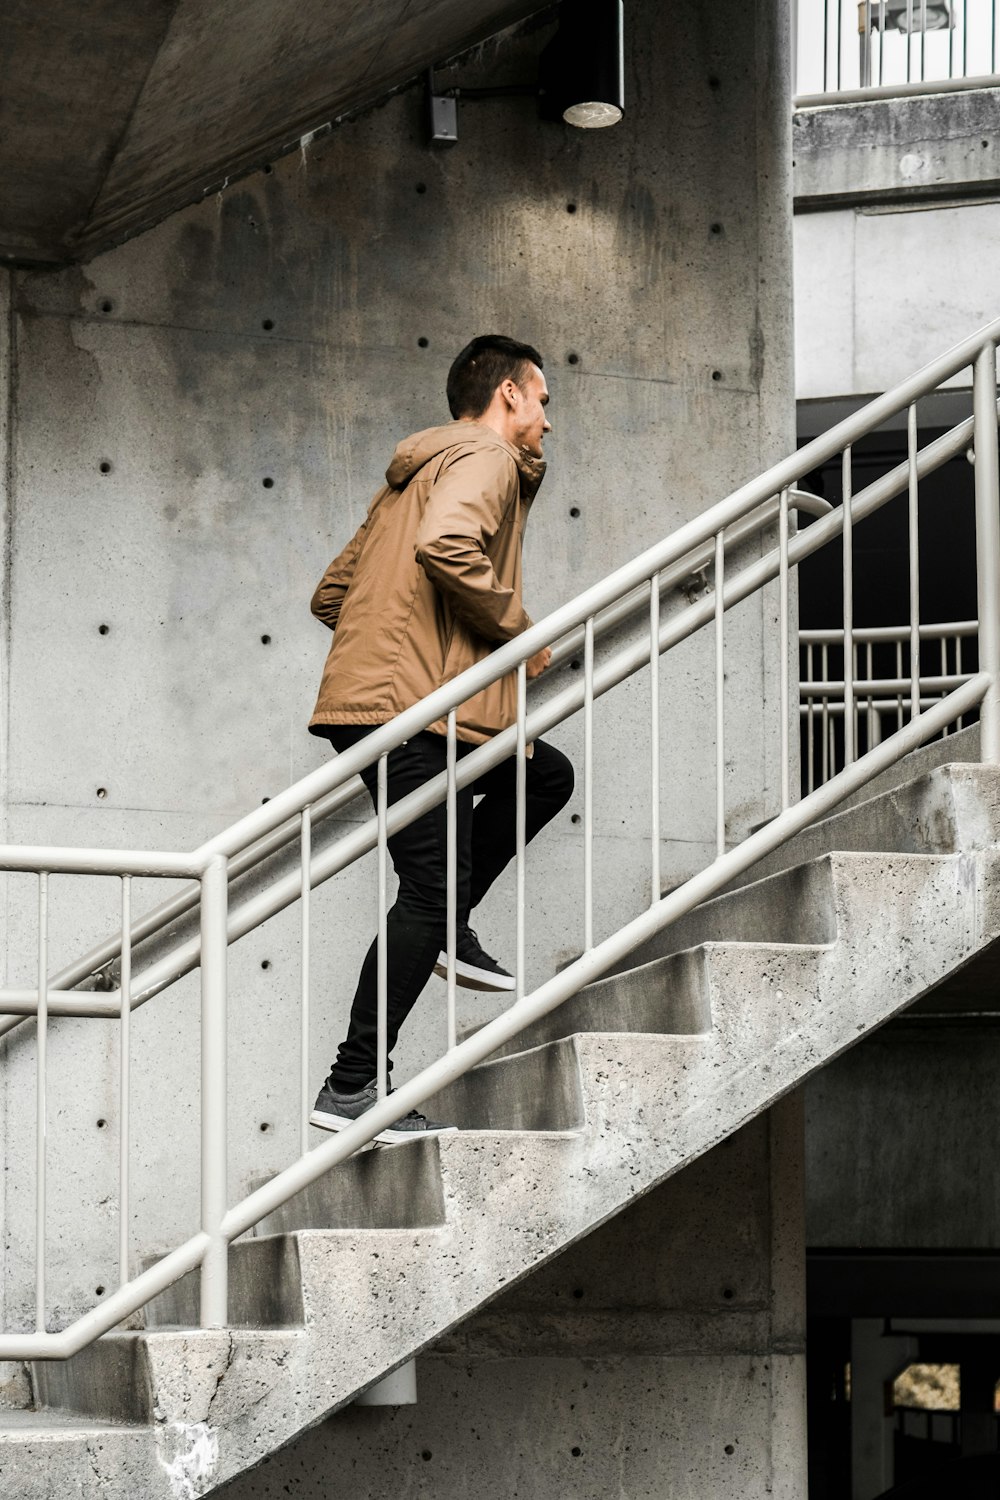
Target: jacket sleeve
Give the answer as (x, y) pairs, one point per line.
(464, 511)
(329, 596)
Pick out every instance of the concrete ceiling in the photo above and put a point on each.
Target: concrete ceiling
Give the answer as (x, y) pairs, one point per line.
(116, 113)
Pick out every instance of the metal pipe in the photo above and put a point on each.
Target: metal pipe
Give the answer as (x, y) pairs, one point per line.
(588, 786)
(382, 959)
(305, 865)
(865, 687)
(654, 736)
(41, 1110)
(214, 1094)
(810, 709)
(720, 701)
(520, 827)
(913, 518)
(125, 1086)
(877, 633)
(784, 661)
(451, 883)
(833, 97)
(849, 670)
(984, 397)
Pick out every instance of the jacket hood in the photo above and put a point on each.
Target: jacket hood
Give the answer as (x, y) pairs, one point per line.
(415, 451)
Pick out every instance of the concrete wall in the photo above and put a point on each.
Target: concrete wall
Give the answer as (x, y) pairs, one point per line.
(879, 292)
(291, 329)
(661, 1356)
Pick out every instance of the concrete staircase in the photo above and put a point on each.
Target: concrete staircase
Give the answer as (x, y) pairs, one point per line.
(640, 1073)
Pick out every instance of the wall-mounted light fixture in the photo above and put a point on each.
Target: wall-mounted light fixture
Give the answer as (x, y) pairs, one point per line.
(581, 74)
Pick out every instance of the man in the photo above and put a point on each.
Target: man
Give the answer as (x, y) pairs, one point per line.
(431, 584)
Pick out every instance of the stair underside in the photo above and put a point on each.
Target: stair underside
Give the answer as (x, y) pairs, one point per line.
(602, 1100)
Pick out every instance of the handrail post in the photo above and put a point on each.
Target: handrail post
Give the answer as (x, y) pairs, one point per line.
(988, 546)
(214, 1146)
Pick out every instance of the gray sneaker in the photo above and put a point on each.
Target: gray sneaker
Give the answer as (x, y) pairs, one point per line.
(335, 1111)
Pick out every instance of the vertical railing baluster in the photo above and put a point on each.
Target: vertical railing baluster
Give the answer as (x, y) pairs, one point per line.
(125, 1084)
(923, 40)
(826, 45)
(848, 521)
(785, 665)
(305, 901)
(899, 675)
(810, 725)
(881, 41)
(588, 785)
(866, 45)
(720, 682)
(870, 674)
(452, 875)
(824, 657)
(988, 546)
(520, 826)
(951, 39)
(965, 38)
(382, 964)
(214, 1091)
(840, 38)
(909, 40)
(944, 673)
(958, 669)
(654, 736)
(41, 1109)
(913, 514)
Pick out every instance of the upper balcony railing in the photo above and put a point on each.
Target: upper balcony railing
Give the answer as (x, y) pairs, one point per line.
(848, 50)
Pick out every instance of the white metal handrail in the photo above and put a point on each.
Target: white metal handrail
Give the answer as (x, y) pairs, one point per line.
(220, 1222)
(850, 51)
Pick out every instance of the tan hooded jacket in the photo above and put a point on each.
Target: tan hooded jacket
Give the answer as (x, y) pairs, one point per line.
(430, 583)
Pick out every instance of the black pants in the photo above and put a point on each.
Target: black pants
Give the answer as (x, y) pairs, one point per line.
(417, 923)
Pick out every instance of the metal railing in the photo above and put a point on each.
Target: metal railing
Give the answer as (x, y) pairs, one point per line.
(850, 50)
(889, 675)
(707, 540)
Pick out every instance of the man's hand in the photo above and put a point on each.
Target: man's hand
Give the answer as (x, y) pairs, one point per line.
(535, 665)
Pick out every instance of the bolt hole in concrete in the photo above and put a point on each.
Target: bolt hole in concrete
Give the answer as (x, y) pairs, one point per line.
(714, 83)
(421, 187)
(427, 1455)
(574, 511)
(716, 228)
(578, 1291)
(265, 640)
(102, 792)
(716, 374)
(103, 629)
(572, 359)
(102, 1124)
(422, 343)
(576, 1452)
(265, 963)
(105, 466)
(576, 665)
(263, 800)
(268, 482)
(107, 306)
(267, 324)
(575, 818)
(98, 1291)
(265, 1125)
(571, 208)
(729, 1450)
(729, 1294)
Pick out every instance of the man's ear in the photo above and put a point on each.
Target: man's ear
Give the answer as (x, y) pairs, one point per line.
(510, 392)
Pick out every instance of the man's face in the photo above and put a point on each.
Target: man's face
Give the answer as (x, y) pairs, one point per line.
(530, 421)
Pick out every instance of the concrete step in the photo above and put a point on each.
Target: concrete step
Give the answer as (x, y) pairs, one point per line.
(265, 1289)
(947, 808)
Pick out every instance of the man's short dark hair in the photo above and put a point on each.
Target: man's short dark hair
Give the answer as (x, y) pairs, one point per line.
(484, 364)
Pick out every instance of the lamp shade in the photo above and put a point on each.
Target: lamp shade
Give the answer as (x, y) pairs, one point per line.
(582, 69)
